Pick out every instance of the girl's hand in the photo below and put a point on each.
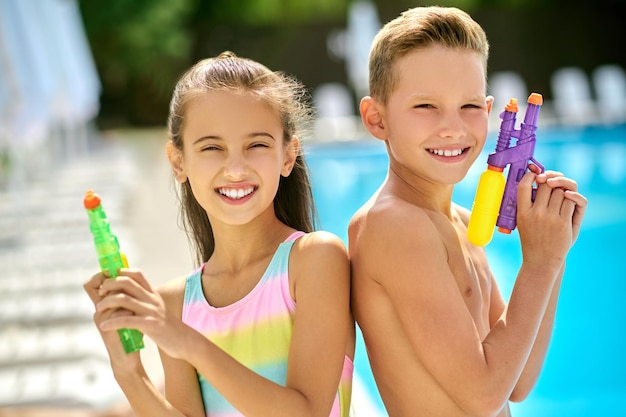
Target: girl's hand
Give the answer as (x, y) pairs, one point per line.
(120, 360)
(128, 301)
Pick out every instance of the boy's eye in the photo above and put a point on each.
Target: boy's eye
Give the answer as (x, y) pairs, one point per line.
(472, 106)
(210, 148)
(259, 145)
(423, 106)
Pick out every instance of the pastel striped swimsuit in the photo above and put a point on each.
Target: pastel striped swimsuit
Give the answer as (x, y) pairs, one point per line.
(255, 330)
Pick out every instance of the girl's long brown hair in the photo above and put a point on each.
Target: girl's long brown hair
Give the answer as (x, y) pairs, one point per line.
(293, 202)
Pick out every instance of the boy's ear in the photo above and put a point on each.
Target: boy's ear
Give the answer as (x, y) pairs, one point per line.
(372, 117)
(292, 151)
(176, 161)
(489, 104)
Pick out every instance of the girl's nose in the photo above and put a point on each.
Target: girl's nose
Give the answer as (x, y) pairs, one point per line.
(236, 166)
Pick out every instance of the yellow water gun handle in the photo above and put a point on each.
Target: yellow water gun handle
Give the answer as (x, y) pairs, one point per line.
(486, 206)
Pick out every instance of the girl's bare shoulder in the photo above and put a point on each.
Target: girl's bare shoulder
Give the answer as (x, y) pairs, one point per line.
(173, 294)
(319, 244)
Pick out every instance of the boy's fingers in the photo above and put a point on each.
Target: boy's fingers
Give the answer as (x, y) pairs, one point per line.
(547, 175)
(534, 169)
(577, 198)
(562, 182)
(567, 208)
(581, 206)
(524, 191)
(556, 198)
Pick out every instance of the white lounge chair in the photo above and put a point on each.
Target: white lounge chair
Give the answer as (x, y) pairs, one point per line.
(609, 82)
(503, 86)
(336, 116)
(571, 92)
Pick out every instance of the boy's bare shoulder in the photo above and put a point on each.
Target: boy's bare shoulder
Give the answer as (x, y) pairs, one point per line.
(388, 215)
(462, 213)
(392, 228)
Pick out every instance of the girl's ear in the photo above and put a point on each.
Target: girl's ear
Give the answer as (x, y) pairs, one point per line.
(292, 150)
(372, 117)
(176, 161)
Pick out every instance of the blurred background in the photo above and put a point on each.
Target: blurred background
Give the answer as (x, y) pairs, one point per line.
(84, 94)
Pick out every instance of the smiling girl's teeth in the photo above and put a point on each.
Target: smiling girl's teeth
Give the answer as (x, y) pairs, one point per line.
(235, 194)
(447, 152)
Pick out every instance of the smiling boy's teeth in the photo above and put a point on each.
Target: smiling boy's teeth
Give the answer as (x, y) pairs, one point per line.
(447, 152)
(235, 194)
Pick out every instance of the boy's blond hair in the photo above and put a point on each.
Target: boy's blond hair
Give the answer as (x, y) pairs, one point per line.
(419, 28)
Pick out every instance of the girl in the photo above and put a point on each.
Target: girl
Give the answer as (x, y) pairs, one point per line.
(263, 327)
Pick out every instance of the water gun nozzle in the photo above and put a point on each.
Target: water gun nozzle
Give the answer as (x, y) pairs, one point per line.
(91, 200)
(512, 106)
(535, 98)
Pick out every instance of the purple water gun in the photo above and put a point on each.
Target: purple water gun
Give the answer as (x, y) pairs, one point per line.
(495, 195)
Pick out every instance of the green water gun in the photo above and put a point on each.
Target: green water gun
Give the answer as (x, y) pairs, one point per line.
(110, 257)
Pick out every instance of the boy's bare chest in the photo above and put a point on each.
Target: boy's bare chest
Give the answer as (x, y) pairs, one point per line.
(474, 286)
(472, 278)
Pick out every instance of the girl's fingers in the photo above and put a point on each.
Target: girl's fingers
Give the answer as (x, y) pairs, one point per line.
(119, 301)
(137, 276)
(92, 287)
(121, 321)
(129, 282)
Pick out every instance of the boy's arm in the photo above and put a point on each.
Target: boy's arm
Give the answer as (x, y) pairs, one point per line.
(478, 375)
(533, 367)
(412, 264)
(556, 181)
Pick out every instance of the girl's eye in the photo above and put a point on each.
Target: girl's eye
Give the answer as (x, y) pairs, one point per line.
(210, 148)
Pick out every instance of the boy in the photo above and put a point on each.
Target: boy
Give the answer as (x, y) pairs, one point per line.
(440, 338)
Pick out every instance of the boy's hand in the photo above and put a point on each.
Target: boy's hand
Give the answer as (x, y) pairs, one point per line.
(570, 187)
(550, 225)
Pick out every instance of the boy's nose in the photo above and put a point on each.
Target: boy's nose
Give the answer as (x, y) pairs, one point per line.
(452, 125)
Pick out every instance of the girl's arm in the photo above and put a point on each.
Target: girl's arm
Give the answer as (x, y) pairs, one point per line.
(319, 270)
(144, 398)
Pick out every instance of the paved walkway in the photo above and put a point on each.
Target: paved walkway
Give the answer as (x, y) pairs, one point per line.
(52, 361)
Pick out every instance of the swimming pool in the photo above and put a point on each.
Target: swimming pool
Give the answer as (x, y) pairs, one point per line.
(583, 375)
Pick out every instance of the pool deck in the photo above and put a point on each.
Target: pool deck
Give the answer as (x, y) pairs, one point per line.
(52, 361)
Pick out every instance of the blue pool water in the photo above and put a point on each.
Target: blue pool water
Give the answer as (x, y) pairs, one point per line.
(584, 373)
